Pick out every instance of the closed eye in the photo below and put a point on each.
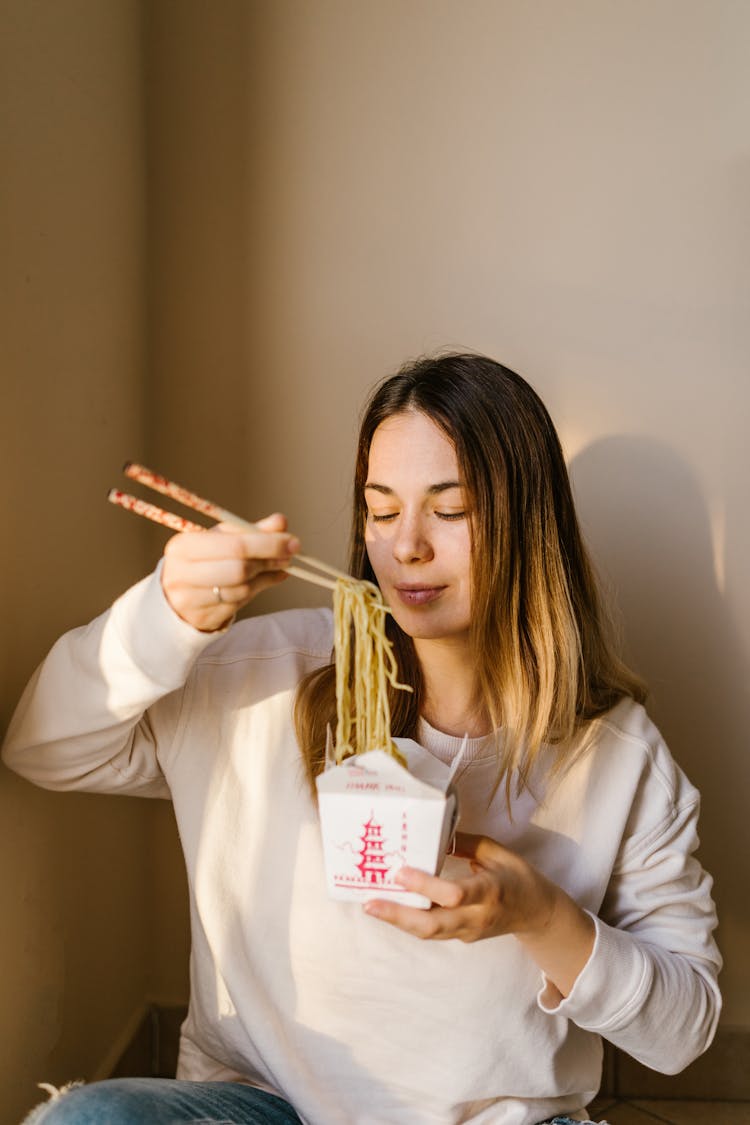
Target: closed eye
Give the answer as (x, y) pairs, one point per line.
(386, 517)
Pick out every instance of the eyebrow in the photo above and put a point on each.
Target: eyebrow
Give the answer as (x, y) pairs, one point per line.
(433, 490)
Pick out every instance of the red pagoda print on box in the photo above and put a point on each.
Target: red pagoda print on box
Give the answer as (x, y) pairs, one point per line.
(372, 865)
(373, 855)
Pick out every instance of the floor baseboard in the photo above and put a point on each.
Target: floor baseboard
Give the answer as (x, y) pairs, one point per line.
(152, 1050)
(124, 1050)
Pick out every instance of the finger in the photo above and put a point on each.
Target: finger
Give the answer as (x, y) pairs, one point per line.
(264, 581)
(222, 542)
(269, 544)
(274, 522)
(207, 573)
(444, 892)
(430, 925)
(481, 849)
(238, 595)
(478, 888)
(209, 608)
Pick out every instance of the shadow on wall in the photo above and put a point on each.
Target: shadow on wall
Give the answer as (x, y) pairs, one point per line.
(648, 527)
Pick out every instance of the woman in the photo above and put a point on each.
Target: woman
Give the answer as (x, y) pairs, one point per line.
(574, 908)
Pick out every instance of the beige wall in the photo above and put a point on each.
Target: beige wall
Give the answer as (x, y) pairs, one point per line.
(74, 870)
(333, 187)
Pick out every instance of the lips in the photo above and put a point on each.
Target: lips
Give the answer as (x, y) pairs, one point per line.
(415, 595)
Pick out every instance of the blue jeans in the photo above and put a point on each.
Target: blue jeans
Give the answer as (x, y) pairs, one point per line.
(168, 1101)
(163, 1101)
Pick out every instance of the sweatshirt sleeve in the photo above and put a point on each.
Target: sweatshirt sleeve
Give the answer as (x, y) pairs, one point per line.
(650, 984)
(107, 696)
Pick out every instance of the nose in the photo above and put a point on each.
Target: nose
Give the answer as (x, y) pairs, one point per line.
(411, 543)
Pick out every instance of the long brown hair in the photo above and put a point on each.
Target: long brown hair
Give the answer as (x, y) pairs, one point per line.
(545, 660)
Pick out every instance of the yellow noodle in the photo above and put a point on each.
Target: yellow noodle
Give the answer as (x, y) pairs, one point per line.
(365, 665)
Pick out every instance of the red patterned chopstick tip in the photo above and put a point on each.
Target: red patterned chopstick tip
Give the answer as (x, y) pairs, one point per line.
(168, 488)
(151, 511)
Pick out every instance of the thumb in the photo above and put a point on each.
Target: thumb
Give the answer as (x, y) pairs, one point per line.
(466, 845)
(480, 849)
(275, 522)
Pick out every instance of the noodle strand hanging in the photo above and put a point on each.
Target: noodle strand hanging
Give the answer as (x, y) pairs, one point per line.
(365, 666)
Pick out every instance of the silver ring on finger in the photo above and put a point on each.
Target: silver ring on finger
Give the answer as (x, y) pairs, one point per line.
(216, 591)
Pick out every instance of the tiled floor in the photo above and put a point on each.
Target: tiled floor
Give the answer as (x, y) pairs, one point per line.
(637, 1111)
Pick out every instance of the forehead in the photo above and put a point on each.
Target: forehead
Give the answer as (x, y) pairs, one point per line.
(412, 445)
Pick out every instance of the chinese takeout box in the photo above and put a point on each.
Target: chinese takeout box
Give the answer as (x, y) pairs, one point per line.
(377, 817)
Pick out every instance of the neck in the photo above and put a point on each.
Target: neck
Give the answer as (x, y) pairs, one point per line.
(450, 701)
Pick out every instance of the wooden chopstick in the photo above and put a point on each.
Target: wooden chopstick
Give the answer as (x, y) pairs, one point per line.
(151, 511)
(178, 523)
(191, 500)
(214, 511)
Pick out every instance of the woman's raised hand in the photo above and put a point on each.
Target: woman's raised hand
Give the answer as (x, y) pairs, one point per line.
(209, 575)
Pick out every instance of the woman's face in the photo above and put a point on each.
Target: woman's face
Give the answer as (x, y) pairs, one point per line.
(417, 531)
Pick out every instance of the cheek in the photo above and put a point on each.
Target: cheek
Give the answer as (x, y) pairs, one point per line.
(458, 548)
(375, 548)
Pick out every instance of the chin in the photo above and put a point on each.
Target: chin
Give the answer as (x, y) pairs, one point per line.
(420, 628)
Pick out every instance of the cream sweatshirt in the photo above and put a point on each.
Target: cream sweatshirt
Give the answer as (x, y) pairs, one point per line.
(352, 1021)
